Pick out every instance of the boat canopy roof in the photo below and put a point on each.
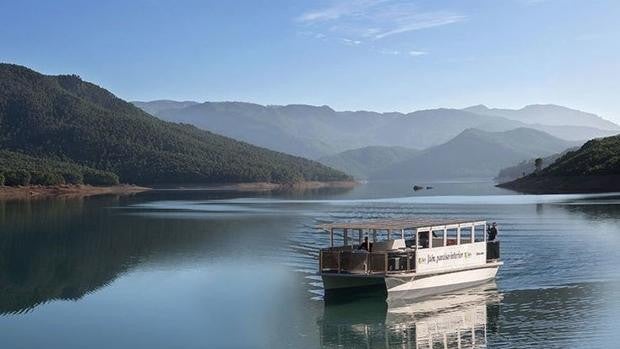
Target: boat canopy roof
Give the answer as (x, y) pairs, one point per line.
(403, 224)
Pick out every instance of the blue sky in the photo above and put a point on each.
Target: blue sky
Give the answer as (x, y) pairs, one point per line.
(379, 55)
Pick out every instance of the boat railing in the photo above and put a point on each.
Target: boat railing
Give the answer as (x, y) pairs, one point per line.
(363, 262)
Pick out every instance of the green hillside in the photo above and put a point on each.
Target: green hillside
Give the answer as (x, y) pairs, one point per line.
(595, 167)
(596, 157)
(362, 163)
(66, 118)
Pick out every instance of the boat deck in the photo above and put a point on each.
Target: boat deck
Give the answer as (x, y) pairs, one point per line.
(350, 260)
(406, 245)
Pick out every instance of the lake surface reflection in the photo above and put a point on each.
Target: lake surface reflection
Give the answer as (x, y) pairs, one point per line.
(459, 319)
(202, 268)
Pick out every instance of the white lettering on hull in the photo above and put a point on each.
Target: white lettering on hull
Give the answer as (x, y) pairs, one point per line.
(451, 257)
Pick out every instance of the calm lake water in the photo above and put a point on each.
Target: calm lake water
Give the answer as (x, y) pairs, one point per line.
(209, 269)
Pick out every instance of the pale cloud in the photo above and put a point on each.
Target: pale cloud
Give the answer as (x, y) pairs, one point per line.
(423, 21)
(389, 52)
(338, 10)
(312, 34)
(417, 53)
(376, 19)
(351, 42)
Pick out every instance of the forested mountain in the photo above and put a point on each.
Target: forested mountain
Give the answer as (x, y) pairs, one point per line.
(595, 167)
(316, 132)
(66, 118)
(362, 163)
(476, 154)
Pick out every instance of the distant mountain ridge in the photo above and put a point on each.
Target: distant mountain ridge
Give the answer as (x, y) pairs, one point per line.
(476, 154)
(548, 114)
(319, 131)
(65, 118)
(154, 107)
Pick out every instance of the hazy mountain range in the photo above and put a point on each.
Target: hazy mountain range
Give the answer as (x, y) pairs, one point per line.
(164, 104)
(475, 154)
(363, 163)
(547, 114)
(319, 131)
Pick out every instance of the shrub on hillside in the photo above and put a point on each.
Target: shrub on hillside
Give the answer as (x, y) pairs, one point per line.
(94, 177)
(17, 177)
(46, 178)
(73, 178)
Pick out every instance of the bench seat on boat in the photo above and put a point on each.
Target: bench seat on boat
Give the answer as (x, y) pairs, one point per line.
(388, 245)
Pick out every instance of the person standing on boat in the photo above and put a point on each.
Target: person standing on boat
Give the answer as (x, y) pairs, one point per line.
(492, 232)
(365, 245)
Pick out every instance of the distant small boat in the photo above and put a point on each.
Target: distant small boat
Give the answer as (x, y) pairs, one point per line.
(429, 187)
(417, 187)
(437, 256)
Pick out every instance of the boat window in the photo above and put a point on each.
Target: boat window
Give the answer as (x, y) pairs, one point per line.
(423, 241)
(479, 233)
(382, 235)
(410, 238)
(465, 235)
(451, 237)
(437, 238)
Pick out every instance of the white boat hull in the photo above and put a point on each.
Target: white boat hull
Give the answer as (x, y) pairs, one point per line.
(425, 285)
(415, 285)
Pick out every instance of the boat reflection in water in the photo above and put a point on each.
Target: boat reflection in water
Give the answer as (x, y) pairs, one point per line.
(452, 320)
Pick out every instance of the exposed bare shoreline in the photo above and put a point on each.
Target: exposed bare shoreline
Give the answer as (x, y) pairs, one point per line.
(265, 186)
(37, 191)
